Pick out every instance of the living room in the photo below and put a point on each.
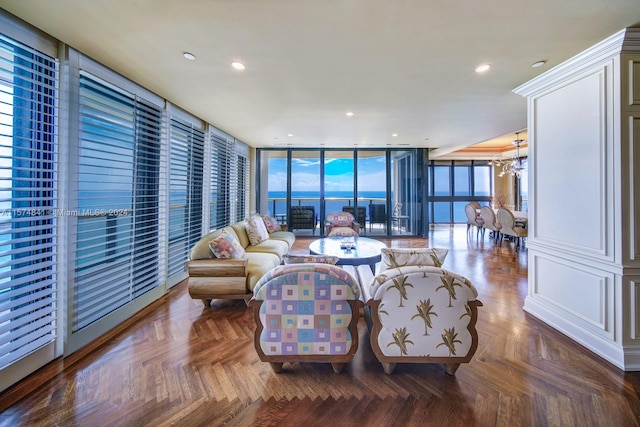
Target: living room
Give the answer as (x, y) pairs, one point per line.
(191, 176)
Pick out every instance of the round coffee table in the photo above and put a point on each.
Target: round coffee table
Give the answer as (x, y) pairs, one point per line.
(364, 251)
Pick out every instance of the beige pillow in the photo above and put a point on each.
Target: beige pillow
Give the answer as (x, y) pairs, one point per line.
(226, 246)
(303, 259)
(401, 257)
(256, 230)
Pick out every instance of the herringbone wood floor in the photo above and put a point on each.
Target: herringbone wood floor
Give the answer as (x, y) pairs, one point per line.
(177, 363)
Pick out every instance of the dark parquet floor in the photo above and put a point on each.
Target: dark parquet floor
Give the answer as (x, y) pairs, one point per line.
(178, 363)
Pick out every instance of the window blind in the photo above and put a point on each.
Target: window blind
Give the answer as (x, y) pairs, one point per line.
(241, 180)
(185, 191)
(28, 226)
(221, 154)
(116, 238)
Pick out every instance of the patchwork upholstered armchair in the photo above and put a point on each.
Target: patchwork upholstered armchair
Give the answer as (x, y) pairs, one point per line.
(307, 313)
(341, 224)
(421, 314)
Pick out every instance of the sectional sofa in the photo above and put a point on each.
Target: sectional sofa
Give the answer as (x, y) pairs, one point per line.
(211, 277)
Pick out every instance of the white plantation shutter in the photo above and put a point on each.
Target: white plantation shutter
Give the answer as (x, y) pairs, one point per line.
(241, 180)
(117, 212)
(28, 223)
(185, 191)
(221, 155)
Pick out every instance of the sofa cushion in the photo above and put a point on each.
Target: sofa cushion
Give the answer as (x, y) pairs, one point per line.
(271, 223)
(285, 236)
(258, 264)
(401, 257)
(270, 246)
(240, 229)
(305, 259)
(225, 245)
(256, 230)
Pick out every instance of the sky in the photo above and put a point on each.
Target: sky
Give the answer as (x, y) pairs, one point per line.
(338, 174)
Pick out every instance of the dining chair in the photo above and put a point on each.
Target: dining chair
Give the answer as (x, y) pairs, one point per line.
(490, 222)
(472, 219)
(509, 227)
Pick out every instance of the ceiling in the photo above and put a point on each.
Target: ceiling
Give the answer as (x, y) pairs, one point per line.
(404, 67)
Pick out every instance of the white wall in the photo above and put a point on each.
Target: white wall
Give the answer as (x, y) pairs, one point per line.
(582, 279)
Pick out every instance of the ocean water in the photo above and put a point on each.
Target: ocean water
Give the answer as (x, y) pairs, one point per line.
(334, 200)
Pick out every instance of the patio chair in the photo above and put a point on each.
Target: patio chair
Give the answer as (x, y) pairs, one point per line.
(377, 214)
(303, 218)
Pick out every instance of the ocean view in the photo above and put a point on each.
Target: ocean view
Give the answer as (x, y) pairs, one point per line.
(334, 200)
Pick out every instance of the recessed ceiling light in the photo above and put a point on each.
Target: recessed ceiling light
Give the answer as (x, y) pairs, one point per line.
(238, 65)
(538, 64)
(394, 135)
(483, 68)
(349, 113)
(289, 134)
(189, 56)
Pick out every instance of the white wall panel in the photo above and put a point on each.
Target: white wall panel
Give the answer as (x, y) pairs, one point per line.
(572, 215)
(584, 191)
(634, 82)
(575, 289)
(634, 175)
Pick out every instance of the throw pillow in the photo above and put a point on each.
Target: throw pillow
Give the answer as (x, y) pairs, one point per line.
(304, 259)
(271, 224)
(256, 230)
(226, 246)
(401, 257)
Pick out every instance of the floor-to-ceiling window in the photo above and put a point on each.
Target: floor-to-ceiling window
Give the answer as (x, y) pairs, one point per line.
(456, 183)
(100, 181)
(305, 184)
(29, 151)
(273, 177)
(115, 200)
(522, 188)
(186, 168)
(406, 211)
(380, 187)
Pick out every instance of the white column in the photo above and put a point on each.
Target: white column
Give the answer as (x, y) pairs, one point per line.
(584, 232)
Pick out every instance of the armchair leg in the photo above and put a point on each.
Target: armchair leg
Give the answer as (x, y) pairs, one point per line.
(276, 366)
(451, 368)
(207, 302)
(388, 367)
(337, 367)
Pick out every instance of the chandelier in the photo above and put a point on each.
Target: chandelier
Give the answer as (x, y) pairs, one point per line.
(513, 166)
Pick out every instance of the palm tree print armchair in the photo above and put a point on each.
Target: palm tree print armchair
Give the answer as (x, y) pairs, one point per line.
(422, 314)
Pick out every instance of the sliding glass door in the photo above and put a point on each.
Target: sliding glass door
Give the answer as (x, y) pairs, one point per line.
(372, 190)
(305, 186)
(338, 181)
